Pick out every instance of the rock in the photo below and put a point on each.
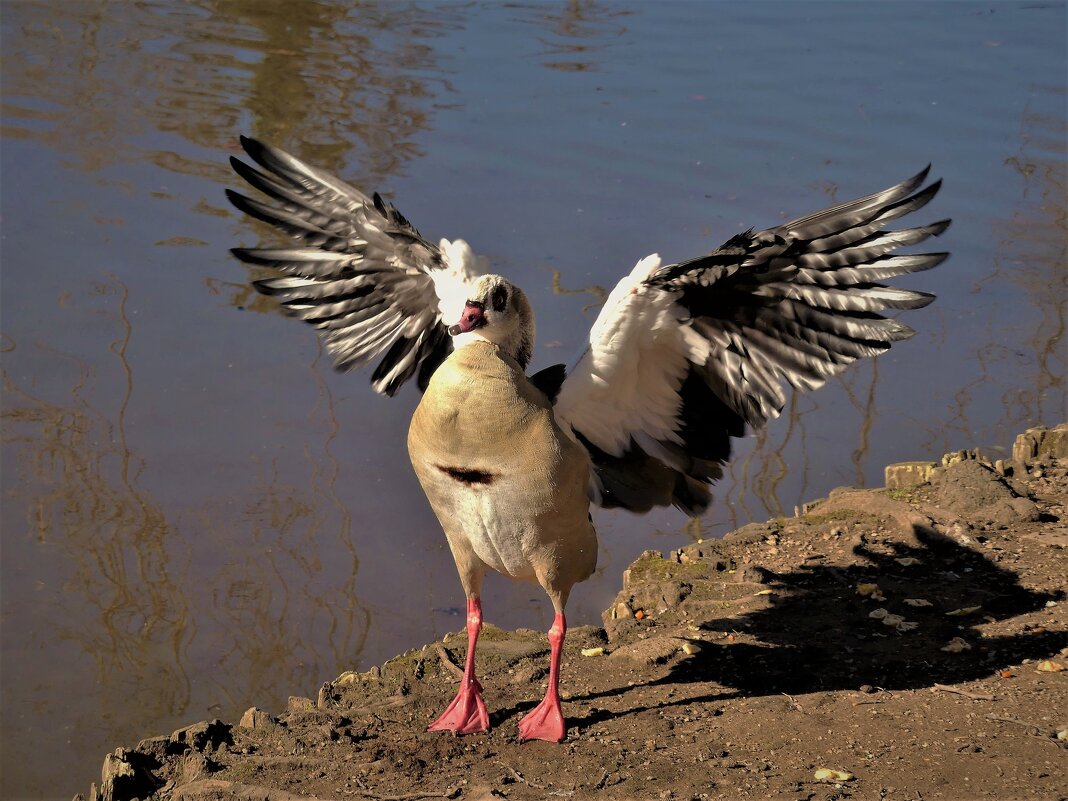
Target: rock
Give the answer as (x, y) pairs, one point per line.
(299, 704)
(904, 475)
(619, 619)
(707, 555)
(978, 493)
(674, 593)
(1038, 442)
(652, 651)
(156, 747)
(206, 735)
(126, 775)
(196, 766)
(958, 456)
(754, 574)
(528, 674)
(116, 777)
(748, 534)
(255, 718)
(326, 697)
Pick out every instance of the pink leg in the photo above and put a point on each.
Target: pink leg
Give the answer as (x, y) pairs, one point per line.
(467, 712)
(546, 720)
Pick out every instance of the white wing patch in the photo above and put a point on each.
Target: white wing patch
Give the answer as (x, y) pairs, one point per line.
(625, 384)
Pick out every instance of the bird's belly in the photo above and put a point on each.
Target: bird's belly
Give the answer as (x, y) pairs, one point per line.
(495, 533)
(504, 516)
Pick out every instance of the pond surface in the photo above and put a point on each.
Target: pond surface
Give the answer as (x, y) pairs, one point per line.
(199, 515)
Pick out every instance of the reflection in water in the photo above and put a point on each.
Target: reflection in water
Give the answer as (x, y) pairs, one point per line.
(578, 33)
(139, 599)
(1038, 236)
(865, 407)
(599, 293)
(352, 84)
(242, 296)
(285, 612)
(1032, 254)
(121, 601)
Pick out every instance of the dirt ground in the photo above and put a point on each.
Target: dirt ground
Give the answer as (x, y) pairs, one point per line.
(912, 638)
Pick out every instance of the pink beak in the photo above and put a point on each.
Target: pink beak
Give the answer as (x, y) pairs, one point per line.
(472, 318)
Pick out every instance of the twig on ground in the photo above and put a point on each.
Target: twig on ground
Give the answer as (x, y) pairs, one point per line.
(793, 701)
(450, 793)
(602, 781)
(1038, 729)
(974, 696)
(446, 661)
(519, 777)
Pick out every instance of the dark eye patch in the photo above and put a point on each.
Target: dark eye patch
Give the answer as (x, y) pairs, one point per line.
(499, 299)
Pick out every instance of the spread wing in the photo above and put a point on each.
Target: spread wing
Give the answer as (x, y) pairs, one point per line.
(683, 357)
(359, 271)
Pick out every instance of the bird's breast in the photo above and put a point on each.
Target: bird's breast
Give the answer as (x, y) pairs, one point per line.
(480, 418)
(495, 466)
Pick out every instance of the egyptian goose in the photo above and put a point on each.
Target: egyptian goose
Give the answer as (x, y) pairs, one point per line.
(681, 358)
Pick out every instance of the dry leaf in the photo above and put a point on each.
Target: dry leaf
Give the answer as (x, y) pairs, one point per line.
(908, 561)
(764, 592)
(918, 602)
(872, 591)
(599, 651)
(955, 646)
(964, 610)
(894, 621)
(1049, 666)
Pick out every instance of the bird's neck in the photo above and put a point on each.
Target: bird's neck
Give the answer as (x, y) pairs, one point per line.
(517, 342)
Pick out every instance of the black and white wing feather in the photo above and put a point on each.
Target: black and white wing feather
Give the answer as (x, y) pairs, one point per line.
(685, 356)
(361, 273)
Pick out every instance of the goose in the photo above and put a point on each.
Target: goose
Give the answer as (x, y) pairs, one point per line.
(681, 359)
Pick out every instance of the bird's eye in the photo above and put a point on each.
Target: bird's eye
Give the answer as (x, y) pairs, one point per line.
(499, 299)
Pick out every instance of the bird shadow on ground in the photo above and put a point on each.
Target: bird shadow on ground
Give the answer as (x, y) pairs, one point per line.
(817, 634)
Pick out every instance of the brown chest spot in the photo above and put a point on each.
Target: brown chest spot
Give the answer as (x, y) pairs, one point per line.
(466, 476)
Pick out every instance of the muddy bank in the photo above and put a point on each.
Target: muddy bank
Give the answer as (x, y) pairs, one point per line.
(898, 643)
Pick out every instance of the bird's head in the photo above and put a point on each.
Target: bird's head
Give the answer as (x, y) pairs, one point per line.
(497, 311)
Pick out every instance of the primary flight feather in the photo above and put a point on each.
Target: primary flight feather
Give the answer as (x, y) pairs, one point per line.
(681, 358)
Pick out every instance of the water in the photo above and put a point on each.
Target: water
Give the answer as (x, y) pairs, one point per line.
(199, 515)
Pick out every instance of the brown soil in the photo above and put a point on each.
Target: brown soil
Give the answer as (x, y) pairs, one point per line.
(755, 663)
